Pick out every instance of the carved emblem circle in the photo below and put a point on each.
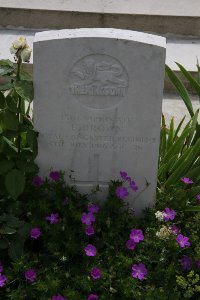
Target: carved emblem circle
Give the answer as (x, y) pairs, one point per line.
(98, 81)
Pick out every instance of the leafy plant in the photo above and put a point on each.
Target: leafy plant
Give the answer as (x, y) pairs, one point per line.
(18, 141)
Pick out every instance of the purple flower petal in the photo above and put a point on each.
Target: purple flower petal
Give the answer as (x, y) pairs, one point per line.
(58, 297)
(35, 233)
(90, 250)
(2, 280)
(37, 181)
(93, 297)
(95, 273)
(186, 263)
(54, 175)
(122, 192)
(136, 235)
(130, 244)
(168, 214)
(89, 230)
(139, 271)
(30, 275)
(88, 218)
(187, 180)
(53, 218)
(182, 241)
(93, 208)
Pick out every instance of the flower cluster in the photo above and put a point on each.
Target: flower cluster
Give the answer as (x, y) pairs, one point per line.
(136, 236)
(122, 192)
(88, 219)
(165, 231)
(20, 48)
(166, 215)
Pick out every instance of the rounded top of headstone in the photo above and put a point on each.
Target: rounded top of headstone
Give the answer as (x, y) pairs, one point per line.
(111, 33)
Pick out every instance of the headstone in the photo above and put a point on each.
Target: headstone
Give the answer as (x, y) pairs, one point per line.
(97, 106)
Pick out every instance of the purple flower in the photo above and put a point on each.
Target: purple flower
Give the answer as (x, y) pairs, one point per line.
(37, 181)
(183, 241)
(2, 280)
(133, 186)
(136, 235)
(123, 175)
(198, 263)
(30, 275)
(92, 297)
(186, 263)
(89, 230)
(130, 244)
(121, 192)
(174, 229)
(58, 297)
(90, 250)
(187, 180)
(93, 208)
(1, 268)
(54, 175)
(128, 178)
(35, 233)
(198, 197)
(95, 273)
(139, 271)
(168, 214)
(53, 218)
(88, 218)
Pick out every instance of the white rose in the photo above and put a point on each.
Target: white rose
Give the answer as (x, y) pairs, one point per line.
(20, 43)
(13, 50)
(26, 54)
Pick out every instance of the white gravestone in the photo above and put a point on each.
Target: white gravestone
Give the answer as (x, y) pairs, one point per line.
(97, 106)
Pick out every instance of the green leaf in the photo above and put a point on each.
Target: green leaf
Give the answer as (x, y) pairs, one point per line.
(181, 89)
(10, 120)
(163, 138)
(178, 128)
(16, 248)
(190, 78)
(32, 141)
(24, 88)
(178, 145)
(15, 183)
(6, 67)
(5, 229)
(12, 104)
(193, 208)
(5, 87)
(5, 166)
(27, 167)
(170, 134)
(2, 101)
(7, 62)
(185, 166)
(6, 144)
(3, 244)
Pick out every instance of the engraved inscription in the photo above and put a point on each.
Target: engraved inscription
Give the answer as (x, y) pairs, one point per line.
(98, 75)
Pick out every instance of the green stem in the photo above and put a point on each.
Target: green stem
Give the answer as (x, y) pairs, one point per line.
(19, 63)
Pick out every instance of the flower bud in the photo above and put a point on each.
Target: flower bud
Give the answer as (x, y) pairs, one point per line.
(26, 54)
(20, 43)
(13, 50)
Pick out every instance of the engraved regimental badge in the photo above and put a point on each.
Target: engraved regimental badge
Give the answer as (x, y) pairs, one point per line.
(98, 81)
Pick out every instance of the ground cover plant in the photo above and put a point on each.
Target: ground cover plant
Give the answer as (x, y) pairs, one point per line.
(56, 244)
